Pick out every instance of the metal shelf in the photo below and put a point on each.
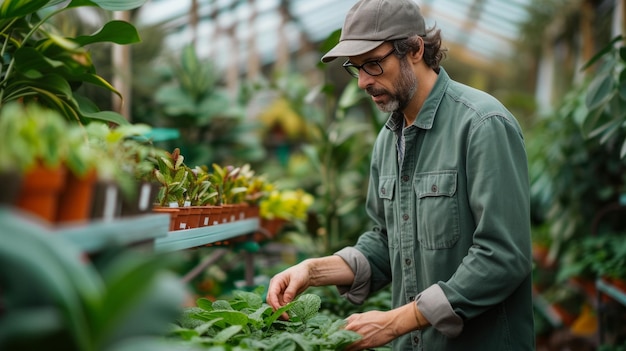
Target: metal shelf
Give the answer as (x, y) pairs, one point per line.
(188, 238)
(96, 235)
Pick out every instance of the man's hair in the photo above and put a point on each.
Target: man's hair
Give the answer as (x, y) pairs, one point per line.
(433, 52)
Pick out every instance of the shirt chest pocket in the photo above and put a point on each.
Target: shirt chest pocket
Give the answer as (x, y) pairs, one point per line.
(437, 209)
(386, 186)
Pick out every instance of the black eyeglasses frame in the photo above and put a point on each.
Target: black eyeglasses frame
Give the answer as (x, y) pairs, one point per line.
(349, 66)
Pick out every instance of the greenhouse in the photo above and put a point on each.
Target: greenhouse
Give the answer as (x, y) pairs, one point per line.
(205, 175)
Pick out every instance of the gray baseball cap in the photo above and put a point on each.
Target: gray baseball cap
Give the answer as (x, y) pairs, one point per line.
(369, 23)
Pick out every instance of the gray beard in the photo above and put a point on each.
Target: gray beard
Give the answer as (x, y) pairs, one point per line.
(405, 89)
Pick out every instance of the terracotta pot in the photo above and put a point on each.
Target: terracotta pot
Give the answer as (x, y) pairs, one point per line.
(210, 215)
(40, 190)
(252, 211)
(194, 213)
(76, 198)
(172, 211)
(269, 228)
(10, 183)
(182, 221)
(230, 213)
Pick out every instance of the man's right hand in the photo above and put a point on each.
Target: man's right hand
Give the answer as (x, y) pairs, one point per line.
(287, 285)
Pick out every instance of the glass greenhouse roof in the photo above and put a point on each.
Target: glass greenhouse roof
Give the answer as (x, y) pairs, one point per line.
(482, 29)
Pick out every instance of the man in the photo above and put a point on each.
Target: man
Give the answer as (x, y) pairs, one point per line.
(448, 196)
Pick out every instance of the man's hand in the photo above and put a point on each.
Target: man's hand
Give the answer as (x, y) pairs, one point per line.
(379, 328)
(286, 285)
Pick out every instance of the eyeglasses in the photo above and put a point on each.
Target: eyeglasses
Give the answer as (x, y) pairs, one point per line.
(373, 67)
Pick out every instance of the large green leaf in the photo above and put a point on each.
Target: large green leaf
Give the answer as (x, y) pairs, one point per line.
(601, 90)
(19, 8)
(118, 32)
(111, 5)
(106, 116)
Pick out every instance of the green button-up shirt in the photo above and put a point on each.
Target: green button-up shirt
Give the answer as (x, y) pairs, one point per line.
(451, 223)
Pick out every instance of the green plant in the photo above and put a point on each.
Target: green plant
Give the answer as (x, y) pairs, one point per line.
(32, 134)
(230, 186)
(54, 298)
(290, 205)
(245, 322)
(200, 189)
(173, 176)
(594, 257)
(38, 64)
(576, 155)
(606, 98)
(211, 122)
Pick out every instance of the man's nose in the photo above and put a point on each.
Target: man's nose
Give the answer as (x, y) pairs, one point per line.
(365, 79)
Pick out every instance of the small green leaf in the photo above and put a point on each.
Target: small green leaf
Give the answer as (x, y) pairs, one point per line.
(224, 335)
(306, 306)
(205, 304)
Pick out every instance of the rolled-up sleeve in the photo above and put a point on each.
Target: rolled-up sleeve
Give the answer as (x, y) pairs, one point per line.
(360, 288)
(436, 308)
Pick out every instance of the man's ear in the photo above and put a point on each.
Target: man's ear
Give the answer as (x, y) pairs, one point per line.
(417, 55)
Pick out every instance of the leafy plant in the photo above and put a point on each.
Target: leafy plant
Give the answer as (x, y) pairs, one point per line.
(593, 257)
(290, 205)
(211, 122)
(53, 298)
(173, 176)
(200, 189)
(606, 98)
(40, 65)
(230, 186)
(31, 134)
(245, 322)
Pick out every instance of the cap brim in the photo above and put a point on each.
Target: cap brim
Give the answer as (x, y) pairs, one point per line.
(348, 48)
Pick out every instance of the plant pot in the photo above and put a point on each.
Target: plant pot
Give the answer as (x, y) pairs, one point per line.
(107, 201)
(242, 211)
(10, 183)
(230, 213)
(182, 220)
(210, 215)
(194, 213)
(141, 202)
(76, 198)
(269, 228)
(40, 190)
(172, 211)
(252, 211)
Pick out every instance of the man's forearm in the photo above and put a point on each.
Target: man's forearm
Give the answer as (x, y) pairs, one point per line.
(329, 270)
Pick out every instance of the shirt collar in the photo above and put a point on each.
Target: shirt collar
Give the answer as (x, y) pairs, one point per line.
(426, 116)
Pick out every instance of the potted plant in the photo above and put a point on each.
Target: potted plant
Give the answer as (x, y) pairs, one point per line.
(40, 65)
(40, 134)
(281, 207)
(173, 176)
(75, 201)
(203, 195)
(230, 187)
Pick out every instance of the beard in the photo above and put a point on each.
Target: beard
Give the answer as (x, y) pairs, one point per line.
(405, 89)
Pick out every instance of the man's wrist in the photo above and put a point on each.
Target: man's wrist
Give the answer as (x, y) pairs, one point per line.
(419, 317)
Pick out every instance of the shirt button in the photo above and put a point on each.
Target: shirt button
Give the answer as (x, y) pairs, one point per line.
(407, 261)
(405, 178)
(412, 298)
(434, 188)
(416, 340)
(382, 191)
(405, 217)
